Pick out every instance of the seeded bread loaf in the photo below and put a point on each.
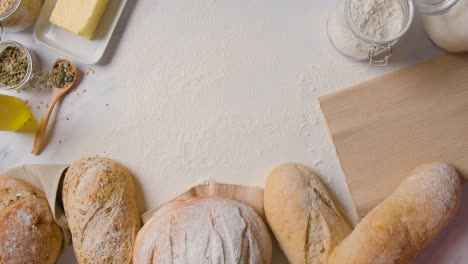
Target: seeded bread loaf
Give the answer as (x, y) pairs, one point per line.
(204, 230)
(302, 214)
(28, 232)
(99, 202)
(398, 228)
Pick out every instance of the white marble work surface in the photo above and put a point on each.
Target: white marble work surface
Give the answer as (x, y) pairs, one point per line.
(213, 89)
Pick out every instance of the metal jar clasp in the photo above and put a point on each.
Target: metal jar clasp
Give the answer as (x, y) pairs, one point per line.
(380, 54)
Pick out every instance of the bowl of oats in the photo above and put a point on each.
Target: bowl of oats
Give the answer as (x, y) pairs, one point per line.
(18, 66)
(16, 15)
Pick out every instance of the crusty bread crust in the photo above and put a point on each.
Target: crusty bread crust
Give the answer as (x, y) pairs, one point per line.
(205, 229)
(398, 228)
(99, 202)
(28, 232)
(302, 214)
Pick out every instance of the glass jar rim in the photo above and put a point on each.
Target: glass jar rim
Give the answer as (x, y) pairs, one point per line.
(29, 58)
(359, 34)
(437, 8)
(10, 11)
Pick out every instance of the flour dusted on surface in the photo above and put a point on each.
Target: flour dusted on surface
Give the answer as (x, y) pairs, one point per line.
(377, 19)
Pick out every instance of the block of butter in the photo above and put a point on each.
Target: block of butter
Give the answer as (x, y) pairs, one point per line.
(78, 16)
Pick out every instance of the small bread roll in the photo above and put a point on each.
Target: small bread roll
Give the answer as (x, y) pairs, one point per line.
(302, 214)
(398, 228)
(28, 232)
(204, 230)
(99, 202)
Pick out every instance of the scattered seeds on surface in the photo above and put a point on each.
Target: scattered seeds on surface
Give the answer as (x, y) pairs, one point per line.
(38, 107)
(41, 102)
(60, 141)
(26, 102)
(84, 91)
(67, 118)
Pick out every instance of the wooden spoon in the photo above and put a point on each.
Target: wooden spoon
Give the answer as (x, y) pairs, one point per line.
(57, 93)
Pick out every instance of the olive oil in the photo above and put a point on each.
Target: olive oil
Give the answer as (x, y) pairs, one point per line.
(13, 113)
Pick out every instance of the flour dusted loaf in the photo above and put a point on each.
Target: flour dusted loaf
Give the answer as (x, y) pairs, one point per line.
(397, 229)
(302, 215)
(28, 232)
(99, 202)
(200, 230)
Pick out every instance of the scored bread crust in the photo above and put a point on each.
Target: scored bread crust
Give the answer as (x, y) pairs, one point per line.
(302, 214)
(205, 229)
(28, 232)
(398, 228)
(99, 202)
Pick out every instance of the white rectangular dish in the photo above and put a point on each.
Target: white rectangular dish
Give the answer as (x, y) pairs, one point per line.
(76, 47)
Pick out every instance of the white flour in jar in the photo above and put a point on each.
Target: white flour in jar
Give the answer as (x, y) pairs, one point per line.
(376, 19)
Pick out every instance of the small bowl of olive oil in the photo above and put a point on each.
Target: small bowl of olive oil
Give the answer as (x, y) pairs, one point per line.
(13, 113)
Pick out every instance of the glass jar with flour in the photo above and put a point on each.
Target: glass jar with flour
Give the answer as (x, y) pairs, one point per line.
(445, 22)
(368, 29)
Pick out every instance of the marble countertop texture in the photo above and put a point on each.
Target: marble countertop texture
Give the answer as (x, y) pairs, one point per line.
(213, 89)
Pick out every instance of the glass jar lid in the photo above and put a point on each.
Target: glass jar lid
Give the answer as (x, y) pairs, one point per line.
(435, 7)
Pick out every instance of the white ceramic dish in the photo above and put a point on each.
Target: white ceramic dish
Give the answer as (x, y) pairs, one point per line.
(74, 46)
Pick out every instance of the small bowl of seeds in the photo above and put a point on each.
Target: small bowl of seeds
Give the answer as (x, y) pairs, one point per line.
(18, 66)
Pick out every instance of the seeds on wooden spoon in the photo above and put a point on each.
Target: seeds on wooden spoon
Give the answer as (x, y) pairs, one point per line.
(62, 74)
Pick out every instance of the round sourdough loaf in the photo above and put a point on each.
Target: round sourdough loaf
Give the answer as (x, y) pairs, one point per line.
(28, 232)
(204, 230)
(99, 202)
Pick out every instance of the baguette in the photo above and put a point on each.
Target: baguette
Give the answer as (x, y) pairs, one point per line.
(99, 202)
(398, 228)
(302, 215)
(28, 232)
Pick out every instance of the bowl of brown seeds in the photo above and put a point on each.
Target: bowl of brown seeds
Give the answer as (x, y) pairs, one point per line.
(18, 66)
